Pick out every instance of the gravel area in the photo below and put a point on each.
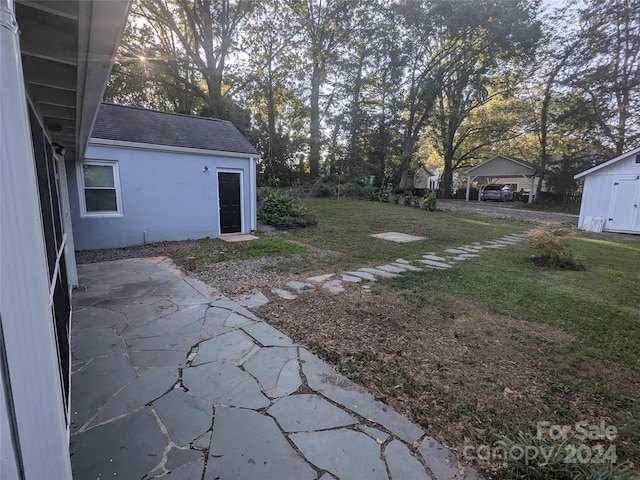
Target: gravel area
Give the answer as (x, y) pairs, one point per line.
(240, 276)
(509, 210)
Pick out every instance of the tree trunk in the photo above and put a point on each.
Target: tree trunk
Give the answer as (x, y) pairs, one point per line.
(354, 132)
(314, 139)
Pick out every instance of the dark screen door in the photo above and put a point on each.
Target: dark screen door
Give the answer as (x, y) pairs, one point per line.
(229, 189)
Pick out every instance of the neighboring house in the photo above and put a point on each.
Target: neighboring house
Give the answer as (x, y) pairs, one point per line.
(424, 180)
(55, 62)
(149, 176)
(516, 173)
(611, 195)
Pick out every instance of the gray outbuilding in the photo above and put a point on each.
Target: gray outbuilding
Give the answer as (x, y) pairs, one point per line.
(150, 176)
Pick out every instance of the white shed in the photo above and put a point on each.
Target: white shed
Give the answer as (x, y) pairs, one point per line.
(611, 195)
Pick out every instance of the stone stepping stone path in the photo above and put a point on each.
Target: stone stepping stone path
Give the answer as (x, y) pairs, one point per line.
(334, 282)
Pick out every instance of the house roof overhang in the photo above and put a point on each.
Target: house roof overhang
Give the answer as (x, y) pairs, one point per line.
(607, 163)
(67, 49)
(501, 166)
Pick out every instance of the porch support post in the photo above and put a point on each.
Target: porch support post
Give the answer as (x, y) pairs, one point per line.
(532, 191)
(36, 422)
(468, 187)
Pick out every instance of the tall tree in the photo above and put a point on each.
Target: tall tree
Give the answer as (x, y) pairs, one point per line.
(481, 37)
(270, 45)
(325, 25)
(420, 57)
(607, 69)
(191, 41)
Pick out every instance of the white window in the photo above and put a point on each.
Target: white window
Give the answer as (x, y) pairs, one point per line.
(99, 184)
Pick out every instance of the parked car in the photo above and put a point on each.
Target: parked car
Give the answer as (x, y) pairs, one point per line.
(497, 193)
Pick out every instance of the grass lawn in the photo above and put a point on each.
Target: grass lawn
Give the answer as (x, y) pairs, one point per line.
(487, 348)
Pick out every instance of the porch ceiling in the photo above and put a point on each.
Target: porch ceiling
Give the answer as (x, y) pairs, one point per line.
(67, 48)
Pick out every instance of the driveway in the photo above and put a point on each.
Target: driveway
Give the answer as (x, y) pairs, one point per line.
(173, 380)
(510, 210)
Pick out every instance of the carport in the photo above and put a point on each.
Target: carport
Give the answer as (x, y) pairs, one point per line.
(501, 167)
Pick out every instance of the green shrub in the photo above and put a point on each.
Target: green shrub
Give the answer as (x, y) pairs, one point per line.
(551, 249)
(408, 201)
(354, 190)
(281, 210)
(430, 202)
(382, 193)
(322, 189)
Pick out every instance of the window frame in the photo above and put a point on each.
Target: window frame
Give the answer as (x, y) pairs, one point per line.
(82, 188)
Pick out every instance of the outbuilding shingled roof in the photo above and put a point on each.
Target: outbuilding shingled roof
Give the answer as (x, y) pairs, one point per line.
(133, 124)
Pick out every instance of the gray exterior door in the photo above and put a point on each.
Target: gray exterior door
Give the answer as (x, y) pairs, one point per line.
(229, 200)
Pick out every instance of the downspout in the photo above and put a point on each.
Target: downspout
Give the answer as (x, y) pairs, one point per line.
(253, 186)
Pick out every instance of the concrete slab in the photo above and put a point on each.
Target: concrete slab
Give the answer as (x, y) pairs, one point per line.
(304, 413)
(237, 237)
(344, 453)
(248, 445)
(398, 237)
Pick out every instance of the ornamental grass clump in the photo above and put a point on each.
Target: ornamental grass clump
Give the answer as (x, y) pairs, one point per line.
(552, 249)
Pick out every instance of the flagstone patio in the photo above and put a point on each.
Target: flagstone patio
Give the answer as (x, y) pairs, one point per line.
(171, 379)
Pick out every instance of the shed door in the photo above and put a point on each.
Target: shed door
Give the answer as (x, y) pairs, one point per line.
(230, 208)
(623, 210)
